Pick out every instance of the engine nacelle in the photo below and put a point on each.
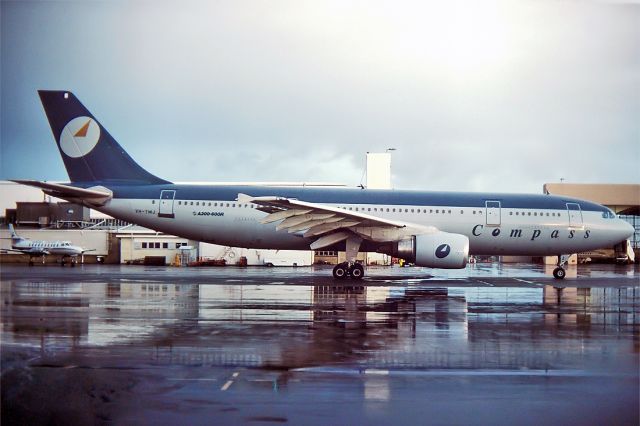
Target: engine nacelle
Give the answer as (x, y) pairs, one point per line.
(438, 250)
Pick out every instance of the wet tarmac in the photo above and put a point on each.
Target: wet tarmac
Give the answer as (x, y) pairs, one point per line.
(491, 344)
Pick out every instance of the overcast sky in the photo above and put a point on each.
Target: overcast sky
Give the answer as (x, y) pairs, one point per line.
(474, 95)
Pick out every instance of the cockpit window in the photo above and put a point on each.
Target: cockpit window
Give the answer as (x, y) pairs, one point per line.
(608, 214)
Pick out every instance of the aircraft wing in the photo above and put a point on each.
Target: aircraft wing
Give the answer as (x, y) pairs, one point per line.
(96, 195)
(328, 224)
(32, 251)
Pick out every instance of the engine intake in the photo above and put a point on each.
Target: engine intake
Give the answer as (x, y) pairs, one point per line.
(438, 250)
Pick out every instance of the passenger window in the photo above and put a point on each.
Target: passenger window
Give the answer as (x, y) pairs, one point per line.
(529, 214)
(535, 213)
(449, 211)
(209, 203)
(438, 211)
(411, 210)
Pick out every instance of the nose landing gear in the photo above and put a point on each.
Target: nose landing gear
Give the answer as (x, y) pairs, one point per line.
(559, 273)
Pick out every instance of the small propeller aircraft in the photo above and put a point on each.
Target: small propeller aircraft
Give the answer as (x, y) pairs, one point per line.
(42, 248)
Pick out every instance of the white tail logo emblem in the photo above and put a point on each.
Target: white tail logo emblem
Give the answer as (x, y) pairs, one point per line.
(79, 137)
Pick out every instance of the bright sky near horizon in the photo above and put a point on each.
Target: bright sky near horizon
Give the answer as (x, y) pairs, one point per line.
(473, 95)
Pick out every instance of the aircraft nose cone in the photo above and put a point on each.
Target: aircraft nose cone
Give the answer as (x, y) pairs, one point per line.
(627, 229)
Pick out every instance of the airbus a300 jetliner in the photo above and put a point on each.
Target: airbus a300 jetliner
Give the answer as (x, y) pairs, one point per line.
(432, 229)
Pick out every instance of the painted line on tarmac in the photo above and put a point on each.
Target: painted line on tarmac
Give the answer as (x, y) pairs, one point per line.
(484, 282)
(229, 382)
(376, 372)
(450, 372)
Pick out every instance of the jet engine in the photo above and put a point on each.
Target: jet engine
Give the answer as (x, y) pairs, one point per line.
(438, 250)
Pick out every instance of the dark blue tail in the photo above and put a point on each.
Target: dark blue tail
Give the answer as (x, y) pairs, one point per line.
(88, 150)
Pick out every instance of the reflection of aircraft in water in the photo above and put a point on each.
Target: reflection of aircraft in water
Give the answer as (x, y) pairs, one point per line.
(287, 327)
(42, 248)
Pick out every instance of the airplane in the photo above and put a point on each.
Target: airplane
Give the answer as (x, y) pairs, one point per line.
(43, 248)
(430, 229)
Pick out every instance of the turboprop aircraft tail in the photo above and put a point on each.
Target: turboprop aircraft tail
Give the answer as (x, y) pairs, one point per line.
(89, 152)
(14, 237)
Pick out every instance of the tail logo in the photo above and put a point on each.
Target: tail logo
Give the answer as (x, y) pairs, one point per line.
(79, 137)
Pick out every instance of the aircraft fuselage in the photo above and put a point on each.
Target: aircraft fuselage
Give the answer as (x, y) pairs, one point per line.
(496, 224)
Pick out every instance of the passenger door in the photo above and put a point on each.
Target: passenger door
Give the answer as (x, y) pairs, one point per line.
(493, 213)
(166, 203)
(575, 214)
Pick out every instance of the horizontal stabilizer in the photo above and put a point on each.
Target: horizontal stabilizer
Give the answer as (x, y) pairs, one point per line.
(95, 195)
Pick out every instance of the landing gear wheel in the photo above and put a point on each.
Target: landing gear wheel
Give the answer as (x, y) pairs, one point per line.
(62, 263)
(31, 263)
(73, 264)
(340, 271)
(559, 273)
(356, 271)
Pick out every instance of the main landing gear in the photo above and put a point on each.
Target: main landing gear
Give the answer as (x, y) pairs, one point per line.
(559, 273)
(350, 268)
(72, 261)
(345, 270)
(31, 260)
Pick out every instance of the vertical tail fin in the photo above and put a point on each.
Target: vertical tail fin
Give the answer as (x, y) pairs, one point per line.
(14, 236)
(89, 152)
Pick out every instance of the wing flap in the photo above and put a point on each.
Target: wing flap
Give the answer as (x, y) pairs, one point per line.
(296, 220)
(282, 214)
(329, 240)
